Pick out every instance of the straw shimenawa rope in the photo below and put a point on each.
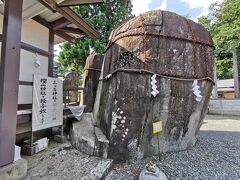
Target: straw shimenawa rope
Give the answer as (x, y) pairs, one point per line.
(142, 71)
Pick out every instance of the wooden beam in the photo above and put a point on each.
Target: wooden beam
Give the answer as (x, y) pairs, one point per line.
(25, 83)
(9, 78)
(34, 49)
(24, 118)
(24, 106)
(51, 50)
(33, 11)
(65, 36)
(50, 4)
(71, 16)
(79, 22)
(79, 2)
(72, 30)
(59, 23)
(42, 21)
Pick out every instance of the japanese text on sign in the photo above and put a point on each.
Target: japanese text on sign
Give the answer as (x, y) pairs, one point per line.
(47, 103)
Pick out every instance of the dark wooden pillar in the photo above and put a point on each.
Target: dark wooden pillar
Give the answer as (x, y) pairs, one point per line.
(51, 50)
(9, 78)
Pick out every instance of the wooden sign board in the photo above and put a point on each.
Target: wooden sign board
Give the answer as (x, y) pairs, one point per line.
(47, 110)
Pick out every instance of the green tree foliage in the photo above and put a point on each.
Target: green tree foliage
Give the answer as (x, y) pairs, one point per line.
(103, 17)
(223, 23)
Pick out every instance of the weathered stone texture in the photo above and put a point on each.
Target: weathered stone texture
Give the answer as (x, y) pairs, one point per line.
(87, 138)
(92, 72)
(124, 107)
(100, 171)
(82, 134)
(14, 171)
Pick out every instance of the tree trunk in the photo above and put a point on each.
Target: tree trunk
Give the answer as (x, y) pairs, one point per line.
(236, 76)
(215, 92)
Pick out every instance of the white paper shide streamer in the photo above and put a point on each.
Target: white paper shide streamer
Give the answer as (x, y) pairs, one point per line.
(196, 91)
(154, 92)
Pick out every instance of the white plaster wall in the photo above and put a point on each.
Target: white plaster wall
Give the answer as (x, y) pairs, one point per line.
(36, 35)
(27, 68)
(224, 106)
(25, 94)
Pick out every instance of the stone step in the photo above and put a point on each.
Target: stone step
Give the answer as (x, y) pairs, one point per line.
(87, 138)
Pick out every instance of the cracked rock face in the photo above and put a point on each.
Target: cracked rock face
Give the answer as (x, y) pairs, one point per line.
(92, 72)
(162, 43)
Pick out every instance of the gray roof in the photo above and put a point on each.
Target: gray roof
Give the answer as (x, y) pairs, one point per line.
(225, 83)
(226, 89)
(33, 8)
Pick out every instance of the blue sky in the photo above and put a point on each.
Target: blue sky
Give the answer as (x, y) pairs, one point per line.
(194, 8)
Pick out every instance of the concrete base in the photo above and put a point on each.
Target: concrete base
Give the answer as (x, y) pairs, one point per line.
(14, 171)
(59, 139)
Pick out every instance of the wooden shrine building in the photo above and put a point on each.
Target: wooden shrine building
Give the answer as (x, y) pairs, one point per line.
(29, 29)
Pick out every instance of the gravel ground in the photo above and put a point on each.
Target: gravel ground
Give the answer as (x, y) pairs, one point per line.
(216, 155)
(60, 162)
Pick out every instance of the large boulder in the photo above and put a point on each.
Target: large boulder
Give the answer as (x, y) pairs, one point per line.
(178, 51)
(82, 135)
(87, 138)
(91, 76)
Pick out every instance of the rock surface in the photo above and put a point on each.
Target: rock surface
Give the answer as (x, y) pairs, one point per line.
(178, 51)
(87, 138)
(91, 75)
(152, 172)
(102, 143)
(82, 135)
(101, 170)
(146, 175)
(215, 155)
